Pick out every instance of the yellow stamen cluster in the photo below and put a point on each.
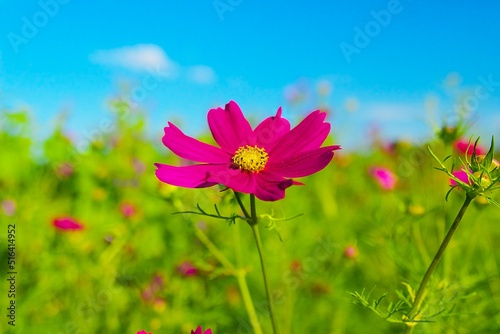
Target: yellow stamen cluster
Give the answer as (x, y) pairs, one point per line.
(250, 158)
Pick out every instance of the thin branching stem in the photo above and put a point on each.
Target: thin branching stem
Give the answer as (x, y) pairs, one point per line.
(253, 221)
(238, 199)
(421, 290)
(240, 275)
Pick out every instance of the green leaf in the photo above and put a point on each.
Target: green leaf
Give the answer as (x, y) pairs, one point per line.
(489, 157)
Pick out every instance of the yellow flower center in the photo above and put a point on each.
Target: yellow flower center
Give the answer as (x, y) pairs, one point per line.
(252, 159)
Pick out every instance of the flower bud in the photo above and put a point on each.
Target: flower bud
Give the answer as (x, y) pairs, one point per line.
(484, 179)
(494, 163)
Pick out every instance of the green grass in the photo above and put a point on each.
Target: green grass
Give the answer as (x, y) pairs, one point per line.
(92, 281)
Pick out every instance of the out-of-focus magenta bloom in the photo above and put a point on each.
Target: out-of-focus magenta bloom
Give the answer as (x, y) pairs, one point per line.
(8, 207)
(138, 165)
(351, 252)
(384, 177)
(200, 331)
(156, 284)
(262, 161)
(144, 332)
(464, 146)
(296, 266)
(127, 209)
(186, 268)
(461, 175)
(64, 170)
(67, 224)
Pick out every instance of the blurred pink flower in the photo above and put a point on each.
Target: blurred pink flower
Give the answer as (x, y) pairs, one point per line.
(127, 209)
(261, 161)
(296, 266)
(461, 175)
(64, 170)
(384, 177)
(200, 331)
(67, 224)
(186, 268)
(144, 332)
(462, 146)
(8, 207)
(138, 165)
(156, 284)
(351, 252)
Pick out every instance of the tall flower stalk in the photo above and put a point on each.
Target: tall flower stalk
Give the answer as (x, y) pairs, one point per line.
(419, 297)
(482, 175)
(253, 221)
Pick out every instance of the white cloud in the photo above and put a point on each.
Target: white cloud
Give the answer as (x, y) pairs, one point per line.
(151, 57)
(139, 58)
(394, 111)
(201, 74)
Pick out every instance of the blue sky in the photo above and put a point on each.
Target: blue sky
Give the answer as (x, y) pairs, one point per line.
(395, 65)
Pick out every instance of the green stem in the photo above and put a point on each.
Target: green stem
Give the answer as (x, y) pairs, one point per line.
(247, 300)
(238, 198)
(240, 276)
(214, 250)
(421, 290)
(255, 229)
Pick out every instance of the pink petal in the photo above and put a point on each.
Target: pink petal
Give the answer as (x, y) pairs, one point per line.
(196, 176)
(271, 187)
(306, 136)
(302, 164)
(243, 182)
(67, 224)
(463, 146)
(461, 175)
(384, 177)
(199, 330)
(202, 176)
(229, 127)
(270, 130)
(192, 149)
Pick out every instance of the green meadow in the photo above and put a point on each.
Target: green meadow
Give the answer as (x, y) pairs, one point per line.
(135, 264)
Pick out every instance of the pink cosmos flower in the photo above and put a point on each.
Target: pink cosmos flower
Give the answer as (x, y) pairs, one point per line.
(200, 331)
(461, 175)
(156, 284)
(127, 209)
(351, 252)
(144, 332)
(261, 161)
(384, 177)
(64, 170)
(67, 224)
(463, 146)
(8, 207)
(186, 268)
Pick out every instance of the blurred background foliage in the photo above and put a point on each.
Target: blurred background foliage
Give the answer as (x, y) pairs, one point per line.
(135, 265)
